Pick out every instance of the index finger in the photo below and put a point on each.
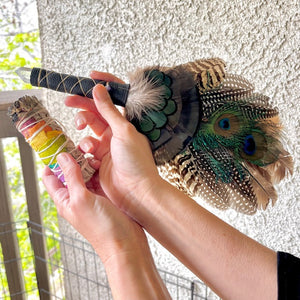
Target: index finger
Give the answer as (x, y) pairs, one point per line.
(81, 102)
(105, 76)
(87, 103)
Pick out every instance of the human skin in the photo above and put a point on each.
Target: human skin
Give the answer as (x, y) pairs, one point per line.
(118, 240)
(232, 264)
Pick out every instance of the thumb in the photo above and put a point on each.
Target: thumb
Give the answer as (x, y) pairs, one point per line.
(107, 109)
(72, 173)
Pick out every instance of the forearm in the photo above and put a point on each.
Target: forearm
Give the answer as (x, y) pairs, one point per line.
(132, 274)
(232, 264)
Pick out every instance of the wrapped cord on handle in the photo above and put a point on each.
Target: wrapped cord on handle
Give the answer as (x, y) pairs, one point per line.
(76, 85)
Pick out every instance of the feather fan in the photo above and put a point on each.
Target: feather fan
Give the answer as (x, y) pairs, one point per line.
(211, 134)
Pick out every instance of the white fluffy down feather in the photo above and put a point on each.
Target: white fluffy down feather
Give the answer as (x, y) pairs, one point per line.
(143, 96)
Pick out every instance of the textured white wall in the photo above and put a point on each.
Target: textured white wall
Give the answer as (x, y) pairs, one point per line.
(258, 39)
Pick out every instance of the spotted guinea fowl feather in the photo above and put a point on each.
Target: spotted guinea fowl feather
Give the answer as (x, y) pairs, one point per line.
(236, 153)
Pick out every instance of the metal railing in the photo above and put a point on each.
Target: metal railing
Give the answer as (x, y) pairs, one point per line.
(74, 281)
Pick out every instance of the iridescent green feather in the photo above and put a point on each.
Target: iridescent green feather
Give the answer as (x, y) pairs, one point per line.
(239, 127)
(154, 120)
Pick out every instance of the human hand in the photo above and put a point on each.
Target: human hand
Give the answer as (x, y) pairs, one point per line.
(119, 241)
(108, 229)
(127, 170)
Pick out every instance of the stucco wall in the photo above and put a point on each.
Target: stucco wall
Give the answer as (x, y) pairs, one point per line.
(259, 39)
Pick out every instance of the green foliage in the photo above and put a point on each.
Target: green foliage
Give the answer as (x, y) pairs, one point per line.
(19, 51)
(19, 42)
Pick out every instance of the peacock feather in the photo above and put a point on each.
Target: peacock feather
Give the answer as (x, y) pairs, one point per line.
(236, 154)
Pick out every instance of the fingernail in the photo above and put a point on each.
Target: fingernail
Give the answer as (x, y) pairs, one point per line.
(94, 72)
(62, 158)
(95, 163)
(79, 122)
(97, 91)
(86, 147)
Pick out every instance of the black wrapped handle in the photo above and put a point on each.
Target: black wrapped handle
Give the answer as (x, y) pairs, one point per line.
(77, 85)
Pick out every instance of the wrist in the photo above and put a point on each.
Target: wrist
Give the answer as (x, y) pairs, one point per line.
(120, 238)
(147, 189)
(132, 274)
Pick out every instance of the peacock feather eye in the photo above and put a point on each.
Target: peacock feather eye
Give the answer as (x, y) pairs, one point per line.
(224, 124)
(255, 149)
(227, 124)
(249, 145)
